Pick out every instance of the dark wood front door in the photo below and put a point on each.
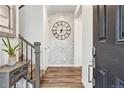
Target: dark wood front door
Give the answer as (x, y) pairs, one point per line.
(108, 24)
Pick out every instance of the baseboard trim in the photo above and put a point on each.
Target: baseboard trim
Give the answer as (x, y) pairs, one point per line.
(61, 66)
(82, 80)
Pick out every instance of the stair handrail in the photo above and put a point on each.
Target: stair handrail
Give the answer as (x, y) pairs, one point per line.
(37, 51)
(22, 38)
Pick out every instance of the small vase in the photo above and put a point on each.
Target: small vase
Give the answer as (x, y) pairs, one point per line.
(12, 60)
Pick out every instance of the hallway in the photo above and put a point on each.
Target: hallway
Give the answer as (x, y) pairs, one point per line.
(62, 77)
(65, 34)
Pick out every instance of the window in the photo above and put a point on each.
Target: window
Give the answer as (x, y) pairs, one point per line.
(102, 22)
(7, 20)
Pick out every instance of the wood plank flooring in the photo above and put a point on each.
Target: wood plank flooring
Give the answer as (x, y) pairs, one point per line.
(62, 77)
(33, 72)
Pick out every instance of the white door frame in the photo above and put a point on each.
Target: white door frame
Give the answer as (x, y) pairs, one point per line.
(87, 16)
(84, 42)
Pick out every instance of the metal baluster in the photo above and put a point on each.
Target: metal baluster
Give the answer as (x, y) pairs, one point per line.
(21, 50)
(31, 62)
(26, 52)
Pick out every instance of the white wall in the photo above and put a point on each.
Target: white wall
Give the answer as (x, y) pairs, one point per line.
(14, 41)
(45, 39)
(87, 15)
(31, 23)
(78, 38)
(61, 51)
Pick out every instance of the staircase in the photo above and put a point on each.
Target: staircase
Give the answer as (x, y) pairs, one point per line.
(32, 73)
(54, 77)
(62, 77)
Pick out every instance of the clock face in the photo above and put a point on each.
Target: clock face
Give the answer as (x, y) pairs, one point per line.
(61, 30)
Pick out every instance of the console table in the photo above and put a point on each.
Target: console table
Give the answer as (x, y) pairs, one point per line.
(9, 75)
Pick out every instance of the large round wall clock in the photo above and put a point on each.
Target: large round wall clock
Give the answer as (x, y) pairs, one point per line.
(61, 30)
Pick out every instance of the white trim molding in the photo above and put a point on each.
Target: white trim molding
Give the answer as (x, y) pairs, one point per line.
(61, 66)
(78, 11)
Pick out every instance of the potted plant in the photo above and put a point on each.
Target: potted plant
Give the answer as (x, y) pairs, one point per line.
(11, 51)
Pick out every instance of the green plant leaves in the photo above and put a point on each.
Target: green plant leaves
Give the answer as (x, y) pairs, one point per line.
(16, 46)
(4, 42)
(8, 43)
(10, 50)
(6, 51)
(17, 49)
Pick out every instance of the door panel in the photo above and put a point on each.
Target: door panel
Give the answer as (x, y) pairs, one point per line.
(109, 54)
(101, 78)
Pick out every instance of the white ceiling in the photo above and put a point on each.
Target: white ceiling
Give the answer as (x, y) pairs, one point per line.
(52, 9)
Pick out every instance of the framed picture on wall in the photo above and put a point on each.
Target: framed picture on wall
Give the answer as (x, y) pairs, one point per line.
(8, 20)
(101, 22)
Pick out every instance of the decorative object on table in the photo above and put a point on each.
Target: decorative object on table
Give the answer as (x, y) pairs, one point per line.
(11, 51)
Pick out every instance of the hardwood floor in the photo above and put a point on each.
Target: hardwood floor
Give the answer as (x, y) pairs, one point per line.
(33, 72)
(62, 77)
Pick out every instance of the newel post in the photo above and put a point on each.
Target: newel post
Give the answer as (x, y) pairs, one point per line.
(37, 64)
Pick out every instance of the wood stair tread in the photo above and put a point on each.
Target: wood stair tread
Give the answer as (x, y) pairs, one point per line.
(65, 77)
(65, 68)
(41, 75)
(66, 73)
(33, 72)
(61, 78)
(60, 81)
(62, 85)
